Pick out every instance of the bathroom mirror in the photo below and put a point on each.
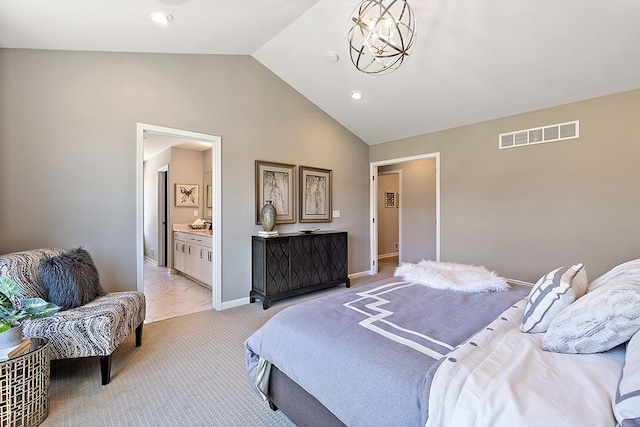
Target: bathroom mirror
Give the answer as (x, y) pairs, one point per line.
(208, 200)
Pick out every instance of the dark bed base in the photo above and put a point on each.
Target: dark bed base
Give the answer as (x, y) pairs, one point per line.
(300, 407)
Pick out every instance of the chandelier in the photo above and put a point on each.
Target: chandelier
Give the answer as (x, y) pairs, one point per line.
(382, 35)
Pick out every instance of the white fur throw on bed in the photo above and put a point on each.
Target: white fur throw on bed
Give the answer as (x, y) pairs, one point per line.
(452, 276)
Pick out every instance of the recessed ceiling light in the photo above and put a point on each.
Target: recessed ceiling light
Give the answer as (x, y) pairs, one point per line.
(160, 18)
(356, 95)
(332, 57)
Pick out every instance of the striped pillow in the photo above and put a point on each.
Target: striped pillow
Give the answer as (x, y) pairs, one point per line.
(554, 292)
(626, 405)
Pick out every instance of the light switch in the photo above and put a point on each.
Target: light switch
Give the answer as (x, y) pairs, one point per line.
(336, 214)
(195, 213)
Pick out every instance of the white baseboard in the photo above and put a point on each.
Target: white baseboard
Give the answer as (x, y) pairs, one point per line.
(235, 303)
(150, 259)
(390, 255)
(360, 274)
(243, 301)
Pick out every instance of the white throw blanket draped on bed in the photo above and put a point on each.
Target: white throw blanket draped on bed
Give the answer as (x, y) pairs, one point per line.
(452, 276)
(502, 378)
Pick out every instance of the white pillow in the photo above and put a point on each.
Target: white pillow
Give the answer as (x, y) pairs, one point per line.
(625, 272)
(626, 405)
(554, 292)
(600, 320)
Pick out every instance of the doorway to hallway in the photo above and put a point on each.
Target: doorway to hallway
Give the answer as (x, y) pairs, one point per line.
(418, 205)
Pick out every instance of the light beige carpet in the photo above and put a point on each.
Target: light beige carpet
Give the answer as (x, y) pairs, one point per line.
(189, 371)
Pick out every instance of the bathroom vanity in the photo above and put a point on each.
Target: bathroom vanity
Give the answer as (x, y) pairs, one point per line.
(193, 254)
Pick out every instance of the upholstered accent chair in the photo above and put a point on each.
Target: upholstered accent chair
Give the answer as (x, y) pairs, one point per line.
(93, 329)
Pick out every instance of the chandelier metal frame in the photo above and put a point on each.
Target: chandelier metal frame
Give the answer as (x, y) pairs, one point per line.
(382, 35)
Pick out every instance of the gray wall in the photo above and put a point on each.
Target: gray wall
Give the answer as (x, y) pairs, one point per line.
(68, 150)
(526, 210)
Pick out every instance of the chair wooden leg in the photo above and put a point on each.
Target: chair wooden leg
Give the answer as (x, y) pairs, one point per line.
(105, 368)
(105, 361)
(139, 335)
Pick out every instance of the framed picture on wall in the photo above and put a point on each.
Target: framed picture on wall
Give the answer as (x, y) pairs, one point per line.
(187, 195)
(315, 194)
(389, 199)
(275, 182)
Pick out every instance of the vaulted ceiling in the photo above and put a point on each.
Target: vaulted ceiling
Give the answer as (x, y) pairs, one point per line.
(472, 61)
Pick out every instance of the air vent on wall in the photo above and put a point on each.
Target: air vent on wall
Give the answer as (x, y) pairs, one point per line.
(550, 133)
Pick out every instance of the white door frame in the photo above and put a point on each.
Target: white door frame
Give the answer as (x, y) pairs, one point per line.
(216, 214)
(373, 204)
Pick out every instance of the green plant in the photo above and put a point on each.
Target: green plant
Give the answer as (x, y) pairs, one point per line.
(13, 309)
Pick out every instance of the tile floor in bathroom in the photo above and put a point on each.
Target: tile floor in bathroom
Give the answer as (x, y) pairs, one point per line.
(172, 295)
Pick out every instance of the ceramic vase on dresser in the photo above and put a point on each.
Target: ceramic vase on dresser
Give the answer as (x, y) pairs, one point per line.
(268, 216)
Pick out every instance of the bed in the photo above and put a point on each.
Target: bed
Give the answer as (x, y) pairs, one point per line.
(402, 353)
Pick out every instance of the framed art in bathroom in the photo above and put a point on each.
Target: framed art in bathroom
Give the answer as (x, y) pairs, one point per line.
(187, 195)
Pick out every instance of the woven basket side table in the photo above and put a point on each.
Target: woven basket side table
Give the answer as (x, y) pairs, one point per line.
(24, 386)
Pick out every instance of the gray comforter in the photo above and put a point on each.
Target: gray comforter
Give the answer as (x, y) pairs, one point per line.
(369, 354)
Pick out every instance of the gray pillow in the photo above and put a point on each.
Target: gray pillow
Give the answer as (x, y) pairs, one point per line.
(70, 279)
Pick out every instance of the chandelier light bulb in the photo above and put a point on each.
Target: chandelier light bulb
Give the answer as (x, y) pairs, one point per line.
(382, 35)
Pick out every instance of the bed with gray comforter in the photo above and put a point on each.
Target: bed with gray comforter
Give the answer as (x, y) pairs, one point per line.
(369, 354)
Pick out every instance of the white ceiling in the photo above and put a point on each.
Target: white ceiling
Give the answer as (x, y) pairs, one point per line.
(156, 143)
(472, 61)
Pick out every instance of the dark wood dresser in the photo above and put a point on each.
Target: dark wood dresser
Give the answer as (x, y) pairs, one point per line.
(296, 263)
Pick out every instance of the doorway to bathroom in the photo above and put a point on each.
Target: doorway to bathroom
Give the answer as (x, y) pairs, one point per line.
(161, 169)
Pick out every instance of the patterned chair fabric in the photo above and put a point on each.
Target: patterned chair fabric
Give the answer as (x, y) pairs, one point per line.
(94, 329)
